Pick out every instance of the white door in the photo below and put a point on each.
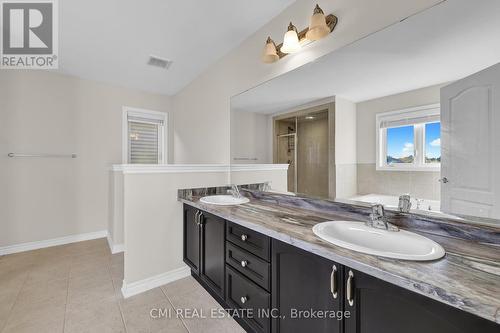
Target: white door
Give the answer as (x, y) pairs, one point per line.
(470, 145)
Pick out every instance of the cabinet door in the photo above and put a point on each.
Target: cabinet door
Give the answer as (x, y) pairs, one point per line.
(380, 307)
(212, 252)
(302, 281)
(191, 247)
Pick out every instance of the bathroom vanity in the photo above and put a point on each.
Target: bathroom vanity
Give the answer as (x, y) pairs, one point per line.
(264, 257)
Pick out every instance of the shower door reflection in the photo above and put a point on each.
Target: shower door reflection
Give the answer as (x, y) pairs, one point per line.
(302, 142)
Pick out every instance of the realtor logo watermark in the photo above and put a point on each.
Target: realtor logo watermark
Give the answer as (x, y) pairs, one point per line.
(29, 38)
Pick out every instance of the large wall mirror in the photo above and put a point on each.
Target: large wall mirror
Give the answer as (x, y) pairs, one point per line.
(412, 109)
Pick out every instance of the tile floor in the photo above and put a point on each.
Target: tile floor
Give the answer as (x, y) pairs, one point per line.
(76, 288)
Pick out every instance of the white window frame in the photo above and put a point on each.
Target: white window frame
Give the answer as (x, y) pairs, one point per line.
(147, 114)
(418, 140)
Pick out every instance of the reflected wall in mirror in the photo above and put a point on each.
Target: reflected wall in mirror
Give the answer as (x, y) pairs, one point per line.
(412, 109)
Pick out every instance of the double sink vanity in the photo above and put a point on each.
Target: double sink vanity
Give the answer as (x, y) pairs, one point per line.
(282, 263)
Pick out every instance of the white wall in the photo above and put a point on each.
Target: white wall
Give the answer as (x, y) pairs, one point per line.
(45, 112)
(251, 137)
(202, 109)
(345, 148)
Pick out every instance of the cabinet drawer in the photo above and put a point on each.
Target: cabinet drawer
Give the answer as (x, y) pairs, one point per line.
(254, 268)
(252, 241)
(241, 293)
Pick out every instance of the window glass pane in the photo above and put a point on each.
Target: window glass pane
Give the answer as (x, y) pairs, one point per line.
(143, 142)
(433, 143)
(400, 145)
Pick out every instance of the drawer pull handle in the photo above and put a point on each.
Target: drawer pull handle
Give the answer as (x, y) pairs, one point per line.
(333, 282)
(197, 217)
(244, 237)
(244, 263)
(350, 287)
(243, 299)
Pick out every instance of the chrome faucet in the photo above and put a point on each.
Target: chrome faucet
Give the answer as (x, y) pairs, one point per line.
(419, 202)
(378, 219)
(234, 191)
(404, 204)
(264, 187)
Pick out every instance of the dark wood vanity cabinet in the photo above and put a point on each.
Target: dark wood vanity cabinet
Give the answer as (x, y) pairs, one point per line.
(204, 242)
(246, 270)
(191, 234)
(305, 286)
(212, 230)
(377, 306)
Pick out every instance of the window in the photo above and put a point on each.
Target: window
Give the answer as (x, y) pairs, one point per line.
(409, 139)
(400, 146)
(433, 143)
(144, 133)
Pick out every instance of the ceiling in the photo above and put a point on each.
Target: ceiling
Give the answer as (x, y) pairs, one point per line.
(111, 40)
(442, 44)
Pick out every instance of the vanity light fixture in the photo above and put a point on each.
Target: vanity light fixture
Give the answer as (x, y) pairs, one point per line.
(270, 53)
(320, 26)
(291, 40)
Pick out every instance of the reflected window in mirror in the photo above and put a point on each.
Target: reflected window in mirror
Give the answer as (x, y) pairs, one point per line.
(400, 144)
(432, 133)
(409, 140)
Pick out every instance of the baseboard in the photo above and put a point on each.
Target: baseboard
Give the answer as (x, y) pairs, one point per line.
(52, 242)
(141, 286)
(115, 248)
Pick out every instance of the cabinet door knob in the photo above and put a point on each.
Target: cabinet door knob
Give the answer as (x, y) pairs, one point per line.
(444, 180)
(243, 299)
(333, 282)
(244, 263)
(350, 289)
(244, 237)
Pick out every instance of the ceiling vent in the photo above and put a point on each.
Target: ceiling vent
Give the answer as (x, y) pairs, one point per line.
(159, 62)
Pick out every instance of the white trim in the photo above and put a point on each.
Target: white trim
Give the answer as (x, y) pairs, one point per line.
(115, 248)
(381, 140)
(184, 168)
(52, 242)
(146, 114)
(408, 110)
(118, 248)
(258, 167)
(134, 288)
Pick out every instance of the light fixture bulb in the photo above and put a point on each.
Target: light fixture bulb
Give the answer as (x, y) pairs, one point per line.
(291, 40)
(270, 54)
(317, 27)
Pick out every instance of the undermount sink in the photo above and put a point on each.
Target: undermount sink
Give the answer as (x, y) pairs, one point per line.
(391, 244)
(224, 200)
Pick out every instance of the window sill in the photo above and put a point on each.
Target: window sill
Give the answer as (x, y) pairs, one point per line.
(409, 168)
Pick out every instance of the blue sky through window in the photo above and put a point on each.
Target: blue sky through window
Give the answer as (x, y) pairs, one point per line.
(432, 142)
(400, 144)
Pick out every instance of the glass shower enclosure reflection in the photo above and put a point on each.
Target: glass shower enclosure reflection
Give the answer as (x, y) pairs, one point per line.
(302, 143)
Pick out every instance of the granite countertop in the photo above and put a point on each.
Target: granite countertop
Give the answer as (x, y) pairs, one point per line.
(468, 277)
